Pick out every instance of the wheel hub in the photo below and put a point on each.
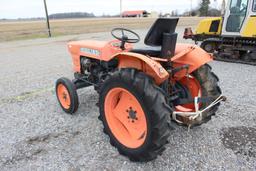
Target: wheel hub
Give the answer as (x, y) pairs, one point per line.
(64, 96)
(132, 114)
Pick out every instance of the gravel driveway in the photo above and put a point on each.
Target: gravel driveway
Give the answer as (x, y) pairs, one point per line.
(35, 134)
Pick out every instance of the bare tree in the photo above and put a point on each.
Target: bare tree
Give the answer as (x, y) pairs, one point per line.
(223, 7)
(204, 7)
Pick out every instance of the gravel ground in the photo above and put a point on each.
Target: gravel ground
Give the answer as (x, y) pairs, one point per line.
(35, 134)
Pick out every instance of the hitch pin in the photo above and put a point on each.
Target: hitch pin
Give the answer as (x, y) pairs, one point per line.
(219, 99)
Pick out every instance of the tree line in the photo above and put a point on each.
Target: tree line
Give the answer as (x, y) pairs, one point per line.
(71, 15)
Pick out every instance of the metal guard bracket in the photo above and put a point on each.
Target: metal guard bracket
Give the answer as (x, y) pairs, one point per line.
(198, 113)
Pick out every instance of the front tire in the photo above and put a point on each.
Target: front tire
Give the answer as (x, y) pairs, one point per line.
(135, 114)
(67, 95)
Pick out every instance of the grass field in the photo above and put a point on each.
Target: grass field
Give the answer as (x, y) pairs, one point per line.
(19, 30)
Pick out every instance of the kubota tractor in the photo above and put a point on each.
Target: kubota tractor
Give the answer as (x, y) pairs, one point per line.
(142, 90)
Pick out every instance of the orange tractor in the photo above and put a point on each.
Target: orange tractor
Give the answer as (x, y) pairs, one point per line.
(142, 90)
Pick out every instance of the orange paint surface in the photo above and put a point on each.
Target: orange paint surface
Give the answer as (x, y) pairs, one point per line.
(63, 96)
(129, 130)
(100, 50)
(194, 89)
(143, 63)
(194, 56)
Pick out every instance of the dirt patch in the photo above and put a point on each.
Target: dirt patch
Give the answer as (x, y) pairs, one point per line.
(31, 147)
(241, 140)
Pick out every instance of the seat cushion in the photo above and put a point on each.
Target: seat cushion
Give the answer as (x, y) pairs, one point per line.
(148, 51)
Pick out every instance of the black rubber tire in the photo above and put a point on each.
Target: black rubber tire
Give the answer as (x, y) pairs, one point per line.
(209, 84)
(156, 109)
(72, 93)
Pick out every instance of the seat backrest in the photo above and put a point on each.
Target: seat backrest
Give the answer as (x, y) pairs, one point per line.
(156, 32)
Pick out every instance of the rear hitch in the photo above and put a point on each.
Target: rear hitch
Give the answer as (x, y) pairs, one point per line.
(189, 118)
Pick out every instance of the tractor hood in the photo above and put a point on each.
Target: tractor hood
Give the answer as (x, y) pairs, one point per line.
(101, 50)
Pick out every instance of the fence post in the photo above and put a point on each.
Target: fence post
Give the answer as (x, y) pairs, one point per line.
(47, 20)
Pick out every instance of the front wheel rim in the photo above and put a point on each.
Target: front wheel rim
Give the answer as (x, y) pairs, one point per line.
(125, 117)
(63, 96)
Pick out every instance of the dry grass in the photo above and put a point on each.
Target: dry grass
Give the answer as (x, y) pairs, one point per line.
(37, 29)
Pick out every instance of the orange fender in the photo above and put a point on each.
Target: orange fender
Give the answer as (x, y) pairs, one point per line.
(194, 56)
(143, 63)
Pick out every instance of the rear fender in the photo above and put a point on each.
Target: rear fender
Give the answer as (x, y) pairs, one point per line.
(193, 56)
(144, 64)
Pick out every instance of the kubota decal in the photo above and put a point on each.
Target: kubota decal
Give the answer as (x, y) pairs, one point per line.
(90, 51)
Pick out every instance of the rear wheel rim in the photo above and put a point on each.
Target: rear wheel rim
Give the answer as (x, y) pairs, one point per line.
(125, 117)
(63, 96)
(194, 89)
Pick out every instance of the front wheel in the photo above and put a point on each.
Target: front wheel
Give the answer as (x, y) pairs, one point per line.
(135, 114)
(67, 95)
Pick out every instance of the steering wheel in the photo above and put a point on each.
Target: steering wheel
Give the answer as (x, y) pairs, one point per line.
(124, 38)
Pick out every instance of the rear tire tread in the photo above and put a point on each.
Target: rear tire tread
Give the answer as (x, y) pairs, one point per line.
(209, 83)
(159, 116)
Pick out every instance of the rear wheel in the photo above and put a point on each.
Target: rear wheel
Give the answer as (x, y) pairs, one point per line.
(135, 114)
(67, 95)
(202, 83)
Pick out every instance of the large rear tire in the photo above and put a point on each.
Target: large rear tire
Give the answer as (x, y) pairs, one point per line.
(135, 114)
(202, 83)
(210, 88)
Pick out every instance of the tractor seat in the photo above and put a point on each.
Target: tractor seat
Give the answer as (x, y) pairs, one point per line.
(148, 51)
(161, 39)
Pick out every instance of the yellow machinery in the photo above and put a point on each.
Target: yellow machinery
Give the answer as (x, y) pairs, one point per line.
(232, 37)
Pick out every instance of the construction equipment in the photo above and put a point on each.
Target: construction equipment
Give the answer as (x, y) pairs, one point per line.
(141, 90)
(231, 38)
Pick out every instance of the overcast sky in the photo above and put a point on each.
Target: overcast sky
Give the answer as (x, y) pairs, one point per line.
(34, 8)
